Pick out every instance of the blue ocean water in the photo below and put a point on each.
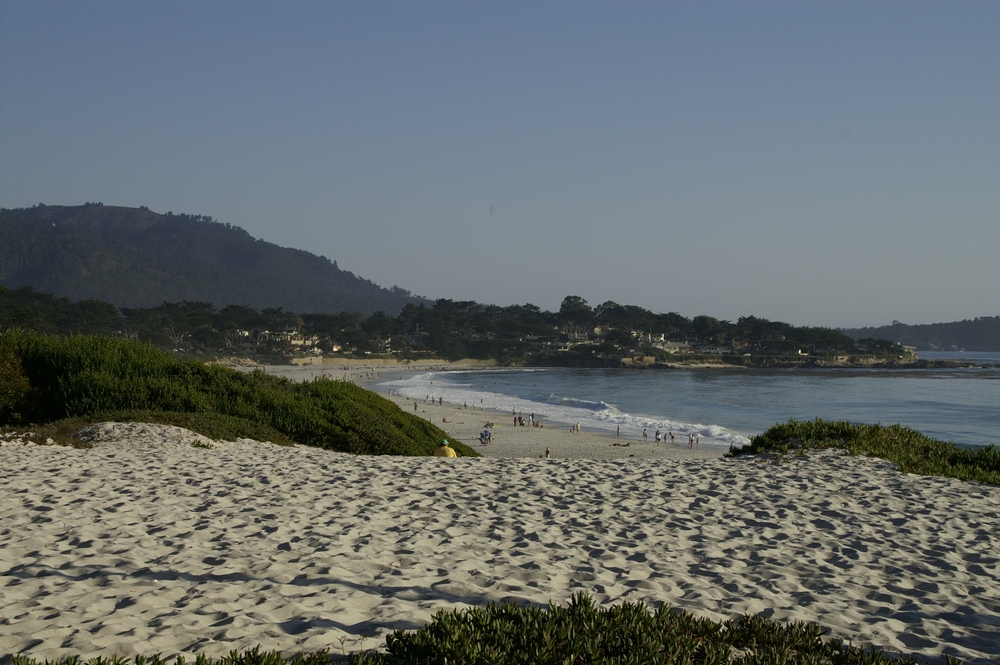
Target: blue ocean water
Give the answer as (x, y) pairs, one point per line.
(725, 406)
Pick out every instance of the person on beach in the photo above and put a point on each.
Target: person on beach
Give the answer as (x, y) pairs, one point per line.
(414, 406)
(671, 437)
(657, 436)
(645, 437)
(444, 450)
(619, 431)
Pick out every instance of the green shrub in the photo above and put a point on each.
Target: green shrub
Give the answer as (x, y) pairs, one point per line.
(912, 451)
(111, 379)
(249, 657)
(625, 634)
(15, 388)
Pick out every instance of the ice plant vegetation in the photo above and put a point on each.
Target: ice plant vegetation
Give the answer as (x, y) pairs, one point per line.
(912, 451)
(68, 382)
(582, 632)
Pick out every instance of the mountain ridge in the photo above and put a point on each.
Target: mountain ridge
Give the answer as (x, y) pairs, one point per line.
(979, 334)
(134, 257)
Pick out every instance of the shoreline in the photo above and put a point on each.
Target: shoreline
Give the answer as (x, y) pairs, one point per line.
(465, 424)
(807, 363)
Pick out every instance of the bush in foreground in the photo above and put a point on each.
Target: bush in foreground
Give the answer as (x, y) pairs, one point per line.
(625, 634)
(911, 450)
(48, 379)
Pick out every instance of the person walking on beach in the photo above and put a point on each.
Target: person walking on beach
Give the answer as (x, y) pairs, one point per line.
(619, 431)
(671, 437)
(657, 436)
(645, 437)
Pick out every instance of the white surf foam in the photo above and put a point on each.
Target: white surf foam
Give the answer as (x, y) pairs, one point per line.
(451, 388)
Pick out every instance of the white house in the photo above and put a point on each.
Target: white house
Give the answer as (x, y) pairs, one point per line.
(714, 349)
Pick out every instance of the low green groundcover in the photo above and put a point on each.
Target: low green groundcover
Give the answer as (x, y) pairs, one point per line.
(912, 451)
(624, 634)
(49, 379)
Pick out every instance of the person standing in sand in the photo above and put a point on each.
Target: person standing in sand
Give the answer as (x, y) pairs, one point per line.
(645, 437)
(619, 431)
(444, 450)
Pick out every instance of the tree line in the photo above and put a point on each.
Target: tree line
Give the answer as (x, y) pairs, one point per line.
(447, 329)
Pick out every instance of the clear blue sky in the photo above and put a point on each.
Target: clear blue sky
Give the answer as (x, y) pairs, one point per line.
(820, 163)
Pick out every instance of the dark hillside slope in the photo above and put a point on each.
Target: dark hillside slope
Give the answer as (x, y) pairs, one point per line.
(133, 257)
(980, 334)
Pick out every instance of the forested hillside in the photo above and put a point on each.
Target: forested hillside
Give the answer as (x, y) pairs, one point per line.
(134, 257)
(980, 334)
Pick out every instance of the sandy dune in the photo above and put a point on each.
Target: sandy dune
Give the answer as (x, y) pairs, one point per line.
(152, 545)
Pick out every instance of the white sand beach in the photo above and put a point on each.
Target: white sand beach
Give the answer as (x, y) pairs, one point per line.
(147, 544)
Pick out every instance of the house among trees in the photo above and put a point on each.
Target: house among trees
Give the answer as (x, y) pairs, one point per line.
(714, 349)
(673, 347)
(453, 330)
